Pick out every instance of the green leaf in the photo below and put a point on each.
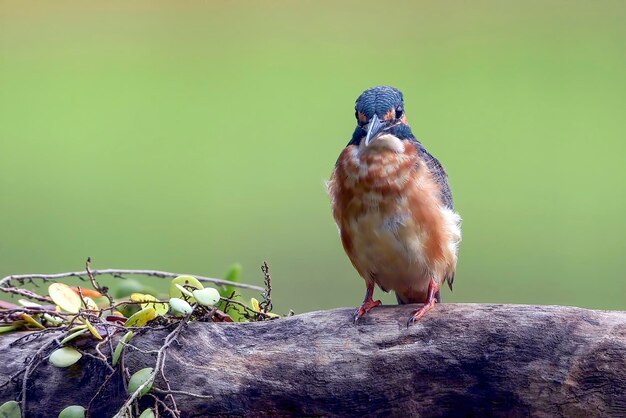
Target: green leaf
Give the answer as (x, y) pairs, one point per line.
(160, 308)
(77, 328)
(31, 321)
(64, 357)
(207, 296)
(53, 320)
(180, 307)
(73, 411)
(10, 409)
(138, 379)
(120, 346)
(255, 304)
(141, 318)
(92, 329)
(148, 413)
(8, 328)
(184, 291)
(184, 280)
(232, 275)
(29, 304)
(129, 286)
(73, 335)
(65, 297)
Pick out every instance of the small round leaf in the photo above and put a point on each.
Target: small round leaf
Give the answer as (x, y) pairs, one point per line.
(180, 307)
(148, 413)
(140, 297)
(138, 379)
(90, 304)
(182, 281)
(64, 357)
(64, 297)
(159, 307)
(10, 409)
(73, 411)
(207, 297)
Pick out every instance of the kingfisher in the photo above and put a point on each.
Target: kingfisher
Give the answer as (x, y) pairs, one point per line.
(393, 207)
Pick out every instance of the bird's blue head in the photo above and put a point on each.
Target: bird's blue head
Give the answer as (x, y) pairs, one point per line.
(380, 110)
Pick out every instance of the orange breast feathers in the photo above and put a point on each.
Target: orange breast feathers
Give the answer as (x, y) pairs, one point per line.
(393, 225)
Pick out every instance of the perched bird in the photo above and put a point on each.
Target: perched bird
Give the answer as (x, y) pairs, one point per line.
(393, 206)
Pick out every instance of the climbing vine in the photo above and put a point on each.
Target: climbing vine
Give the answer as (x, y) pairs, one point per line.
(76, 314)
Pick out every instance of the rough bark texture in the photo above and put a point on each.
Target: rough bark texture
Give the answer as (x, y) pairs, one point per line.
(460, 360)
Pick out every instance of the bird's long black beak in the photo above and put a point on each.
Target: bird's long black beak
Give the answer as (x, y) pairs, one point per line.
(373, 129)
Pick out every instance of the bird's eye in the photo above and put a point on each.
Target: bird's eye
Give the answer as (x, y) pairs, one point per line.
(361, 118)
(399, 112)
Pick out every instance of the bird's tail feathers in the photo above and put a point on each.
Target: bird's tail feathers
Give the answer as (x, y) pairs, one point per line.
(450, 280)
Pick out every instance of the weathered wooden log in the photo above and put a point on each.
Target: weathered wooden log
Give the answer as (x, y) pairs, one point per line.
(460, 360)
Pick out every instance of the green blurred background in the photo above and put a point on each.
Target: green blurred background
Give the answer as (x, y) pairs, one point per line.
(185, 136)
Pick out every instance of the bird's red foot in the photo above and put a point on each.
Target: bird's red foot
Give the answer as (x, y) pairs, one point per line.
(367, 306)
(368, 303)
(433, 287)
(417, 314)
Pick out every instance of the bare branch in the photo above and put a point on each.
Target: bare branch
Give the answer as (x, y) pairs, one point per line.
(26, 293)
(103, 290)
(247, 308)
(5, 283)
(461, 359)
(266, 305)
(181, 392)
(32, 365)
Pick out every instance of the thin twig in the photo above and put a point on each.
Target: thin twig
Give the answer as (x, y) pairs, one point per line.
(102, 386)
(101, 354)
(181, 392)
(141, 350)
(266, 305)
(103, 290)
(82, 299)
(169, 388)
(12, 377)
(24, 292)
(31, 311)
(9, 316)
(33, 335)
(246, 307)
(171, 337)
(5, 282)
(158, 402)
(32, 364)
(98, 359)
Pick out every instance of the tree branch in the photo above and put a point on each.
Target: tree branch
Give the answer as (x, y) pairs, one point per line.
(6, 281)
(459, 360)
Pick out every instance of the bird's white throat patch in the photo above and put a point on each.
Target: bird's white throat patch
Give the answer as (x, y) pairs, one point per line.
(383, 142)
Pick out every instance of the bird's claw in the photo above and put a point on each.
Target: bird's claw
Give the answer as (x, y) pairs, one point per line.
(419, 313)
(365, 308)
